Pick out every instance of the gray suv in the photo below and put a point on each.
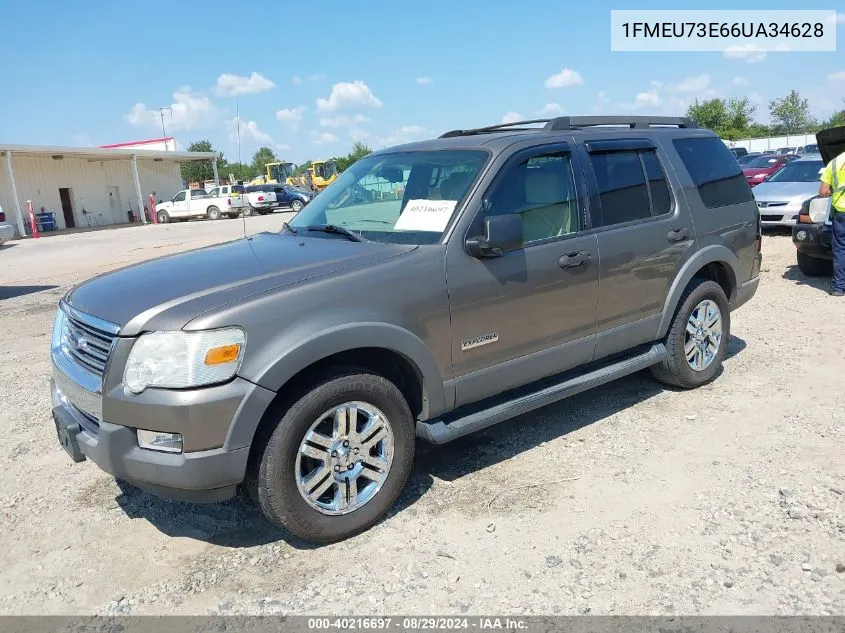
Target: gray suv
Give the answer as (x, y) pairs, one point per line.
(434, 289)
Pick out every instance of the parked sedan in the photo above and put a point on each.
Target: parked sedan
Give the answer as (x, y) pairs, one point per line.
(779, 198)
(757, 170)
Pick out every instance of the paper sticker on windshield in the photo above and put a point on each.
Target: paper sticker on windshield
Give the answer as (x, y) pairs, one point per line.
(425, 215)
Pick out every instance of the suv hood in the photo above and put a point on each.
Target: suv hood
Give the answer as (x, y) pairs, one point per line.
(831, 142)
(784, 191)
(249, 266)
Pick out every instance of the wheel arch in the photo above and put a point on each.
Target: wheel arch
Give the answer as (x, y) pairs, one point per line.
(390, 351)
(716, 263)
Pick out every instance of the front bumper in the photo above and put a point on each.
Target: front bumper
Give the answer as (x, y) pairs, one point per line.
(779, 218)
(216, 423)
(813, 240)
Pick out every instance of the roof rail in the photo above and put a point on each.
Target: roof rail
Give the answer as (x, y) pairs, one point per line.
(573, 122)
(569, 122)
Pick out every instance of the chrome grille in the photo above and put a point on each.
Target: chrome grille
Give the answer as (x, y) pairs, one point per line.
(87, 342)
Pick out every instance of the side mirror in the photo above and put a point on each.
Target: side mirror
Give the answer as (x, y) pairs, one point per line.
(502, 233)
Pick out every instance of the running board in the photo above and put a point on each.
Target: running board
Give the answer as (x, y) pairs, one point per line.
(440, 432)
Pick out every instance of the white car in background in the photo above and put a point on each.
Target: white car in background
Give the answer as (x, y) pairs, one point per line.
(779, 197)
(7, 231)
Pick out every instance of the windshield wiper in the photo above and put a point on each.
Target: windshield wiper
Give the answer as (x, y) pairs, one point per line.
(336, 230)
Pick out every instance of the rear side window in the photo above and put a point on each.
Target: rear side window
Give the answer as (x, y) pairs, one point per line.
(661, 201)
(714, 171)
(622, 187)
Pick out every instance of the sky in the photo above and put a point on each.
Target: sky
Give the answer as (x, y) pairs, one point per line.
(308, 83)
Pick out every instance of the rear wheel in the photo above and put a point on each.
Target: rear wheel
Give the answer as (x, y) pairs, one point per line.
(163, 217)
(231, 216)
(698, 337)
(337, 459)
(813, 266)
(213, 213)
(296, 205)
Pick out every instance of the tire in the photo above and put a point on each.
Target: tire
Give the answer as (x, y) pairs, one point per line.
(232, 216)
(813, 266)
(213, 213)
(247, 211)
(274, 469)
(163, 217)
(296, 206)
(676, 370)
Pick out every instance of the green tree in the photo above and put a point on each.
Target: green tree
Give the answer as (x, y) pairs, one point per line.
(739, 114)
(263, 156)
(200, 171)
(710, 114)
(359, 150)
(791, 113)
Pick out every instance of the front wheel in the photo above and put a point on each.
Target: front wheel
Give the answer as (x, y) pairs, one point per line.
(698, 337)
(163, 217)
(296, 205)
(813, 266)
(337, 459)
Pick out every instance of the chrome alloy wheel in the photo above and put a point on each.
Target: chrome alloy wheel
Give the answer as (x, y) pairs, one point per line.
(703, 335)
(344, 458)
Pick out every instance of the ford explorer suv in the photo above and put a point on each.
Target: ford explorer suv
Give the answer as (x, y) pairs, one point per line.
(434, 289)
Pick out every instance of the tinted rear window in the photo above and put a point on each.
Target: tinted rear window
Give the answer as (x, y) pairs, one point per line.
(714, 171)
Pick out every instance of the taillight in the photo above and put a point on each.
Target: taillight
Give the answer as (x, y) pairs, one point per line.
(229, 201)
(2, 216)
(261, 198)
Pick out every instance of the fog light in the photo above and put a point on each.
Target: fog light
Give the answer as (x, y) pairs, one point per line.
(158, 441)
(801, 235)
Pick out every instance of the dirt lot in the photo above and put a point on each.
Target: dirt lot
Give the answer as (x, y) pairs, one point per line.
(728, 499)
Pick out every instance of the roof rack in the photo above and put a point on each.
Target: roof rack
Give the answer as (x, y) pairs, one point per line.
(574, 122)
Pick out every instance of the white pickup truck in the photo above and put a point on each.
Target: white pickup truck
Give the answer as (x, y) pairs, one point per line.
(197, 203)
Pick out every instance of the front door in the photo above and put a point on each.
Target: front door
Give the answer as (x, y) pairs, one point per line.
(180, 205)
(530, 313)
(643, 236)
(67, 207)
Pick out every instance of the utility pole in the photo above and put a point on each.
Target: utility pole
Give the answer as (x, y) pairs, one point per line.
(238, 119)
(161, 115)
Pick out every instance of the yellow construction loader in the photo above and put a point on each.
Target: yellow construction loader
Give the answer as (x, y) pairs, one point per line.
(275, 173)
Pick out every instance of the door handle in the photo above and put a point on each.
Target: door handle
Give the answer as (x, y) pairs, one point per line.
(678, 235)
(573, 260)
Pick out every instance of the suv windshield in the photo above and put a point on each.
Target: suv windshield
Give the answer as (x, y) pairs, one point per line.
(798, 171)
(403, 198)
(761, 162)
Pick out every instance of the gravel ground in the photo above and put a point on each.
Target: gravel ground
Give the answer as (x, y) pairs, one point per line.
(632, 499)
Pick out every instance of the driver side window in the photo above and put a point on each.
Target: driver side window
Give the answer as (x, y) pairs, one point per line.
(180, 197)
(541, 189)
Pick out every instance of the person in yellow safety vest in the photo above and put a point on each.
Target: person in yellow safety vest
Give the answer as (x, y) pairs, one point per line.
(833, 185)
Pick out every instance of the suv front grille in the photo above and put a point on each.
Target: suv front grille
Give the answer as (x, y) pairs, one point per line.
(87, 345)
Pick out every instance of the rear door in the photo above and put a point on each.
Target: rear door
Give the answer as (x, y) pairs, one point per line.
(644, 236)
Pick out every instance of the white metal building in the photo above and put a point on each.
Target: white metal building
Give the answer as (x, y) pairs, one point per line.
(88, 186)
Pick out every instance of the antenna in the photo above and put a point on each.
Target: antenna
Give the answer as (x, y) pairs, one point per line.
(238, 120)
(161, 115)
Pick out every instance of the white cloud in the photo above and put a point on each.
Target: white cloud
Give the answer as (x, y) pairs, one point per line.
(838, 76)
(323, 138)
(551, 109)
(405, 134)
(512, 117)
(838, 18)
(296, 80)
(189, 111)
(357, 134)
(348, 95)
(751, 53)
(740, 81)
(656, 84)
(343, 121)
(425, 81)
(249, 132)
(282, 147)
(233, 85)
(647, 98)
(564, 79)
(290, 115)
(691, 84)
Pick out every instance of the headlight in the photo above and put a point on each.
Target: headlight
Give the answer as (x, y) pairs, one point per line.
(58, 329)
(175, 360)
